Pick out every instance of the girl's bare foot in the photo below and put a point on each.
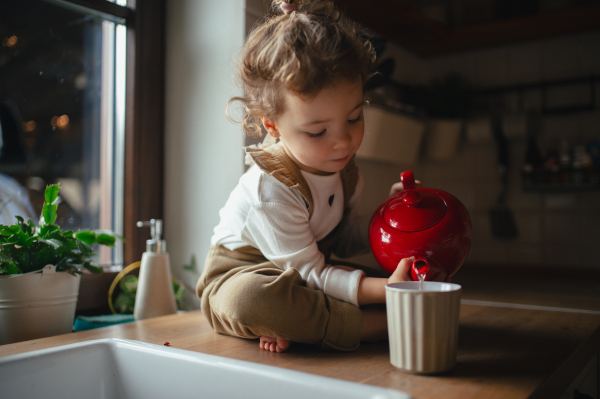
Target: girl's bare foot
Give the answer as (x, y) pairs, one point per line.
(274, 344)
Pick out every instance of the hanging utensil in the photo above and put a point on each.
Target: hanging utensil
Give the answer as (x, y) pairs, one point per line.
(502, 220)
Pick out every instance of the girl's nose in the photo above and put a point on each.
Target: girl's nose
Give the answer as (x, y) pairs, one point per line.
(343, 140)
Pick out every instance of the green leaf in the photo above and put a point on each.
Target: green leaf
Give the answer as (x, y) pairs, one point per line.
(70, 244)
(55, 233)
(92, 268)
(53, 243)
(27, 243)
(49, 213)
(88, 237)
(51, 193)
(28, 227)
(129, 284)
(125, 300)
(9, 268)
(8, 231)
(40, 255)
(27, 247)
(105, 239)
(110, 233)
(22, 238)
(85, 249)
(12, 239)
(47, 230)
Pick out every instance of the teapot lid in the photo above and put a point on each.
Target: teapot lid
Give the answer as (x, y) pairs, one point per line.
(414, 210)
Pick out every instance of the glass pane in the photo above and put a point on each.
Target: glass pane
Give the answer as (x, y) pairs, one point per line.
(62, 116)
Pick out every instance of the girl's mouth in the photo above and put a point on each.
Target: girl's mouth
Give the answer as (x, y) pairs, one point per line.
(341, 159)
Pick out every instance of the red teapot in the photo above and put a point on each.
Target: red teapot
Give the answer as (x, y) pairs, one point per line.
(432, 225)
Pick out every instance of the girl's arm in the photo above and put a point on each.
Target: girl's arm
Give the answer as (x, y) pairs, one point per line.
(372, 289)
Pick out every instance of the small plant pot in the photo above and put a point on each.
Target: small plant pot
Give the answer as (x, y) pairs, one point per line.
(37, 305)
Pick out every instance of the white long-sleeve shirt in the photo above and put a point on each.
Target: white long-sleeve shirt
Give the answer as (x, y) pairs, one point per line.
(266, 214)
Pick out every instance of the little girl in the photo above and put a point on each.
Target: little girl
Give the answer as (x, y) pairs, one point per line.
(269, 274)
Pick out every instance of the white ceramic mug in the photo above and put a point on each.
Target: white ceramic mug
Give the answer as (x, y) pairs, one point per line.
(423, 325)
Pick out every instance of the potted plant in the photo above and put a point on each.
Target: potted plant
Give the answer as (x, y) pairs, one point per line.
(40, 268)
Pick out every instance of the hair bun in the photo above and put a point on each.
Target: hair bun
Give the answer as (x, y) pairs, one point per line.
(315, 7)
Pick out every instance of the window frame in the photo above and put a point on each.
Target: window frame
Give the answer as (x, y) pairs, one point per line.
(144, 126)
(144, 131)
(144, 111)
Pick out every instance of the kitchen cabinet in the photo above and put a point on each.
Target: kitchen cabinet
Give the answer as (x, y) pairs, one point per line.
(438, 27)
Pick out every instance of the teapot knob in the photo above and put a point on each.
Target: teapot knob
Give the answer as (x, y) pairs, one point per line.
(411, 198)
(408, 179)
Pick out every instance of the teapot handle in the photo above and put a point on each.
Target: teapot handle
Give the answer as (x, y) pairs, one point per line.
(408, 179)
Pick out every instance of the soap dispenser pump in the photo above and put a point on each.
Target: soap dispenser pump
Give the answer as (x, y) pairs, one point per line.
(155, 296)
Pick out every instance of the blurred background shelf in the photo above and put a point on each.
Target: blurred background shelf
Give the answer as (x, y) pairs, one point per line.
(431, 28)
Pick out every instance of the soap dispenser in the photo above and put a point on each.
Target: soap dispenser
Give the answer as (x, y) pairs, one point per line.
(155, 296)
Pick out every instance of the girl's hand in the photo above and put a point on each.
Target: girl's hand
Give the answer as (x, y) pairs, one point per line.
(402, 272)
(397, 187)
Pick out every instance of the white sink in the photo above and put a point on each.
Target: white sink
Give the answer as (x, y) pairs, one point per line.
(125, 369)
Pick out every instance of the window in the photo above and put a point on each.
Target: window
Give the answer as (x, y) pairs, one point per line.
(81, 103)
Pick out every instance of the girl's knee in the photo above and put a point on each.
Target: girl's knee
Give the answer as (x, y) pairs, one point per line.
(253, 297)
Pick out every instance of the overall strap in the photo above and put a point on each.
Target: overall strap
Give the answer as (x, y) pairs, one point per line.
(273, 160)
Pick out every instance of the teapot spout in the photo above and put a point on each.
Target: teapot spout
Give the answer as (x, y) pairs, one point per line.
(420, 266)
(426, 267)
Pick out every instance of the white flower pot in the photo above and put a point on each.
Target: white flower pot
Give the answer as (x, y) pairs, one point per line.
(37, 305)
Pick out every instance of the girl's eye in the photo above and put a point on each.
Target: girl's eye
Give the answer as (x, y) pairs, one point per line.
(351, 121)
(316, 135)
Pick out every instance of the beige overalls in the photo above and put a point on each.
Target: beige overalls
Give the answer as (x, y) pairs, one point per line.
(245, 295)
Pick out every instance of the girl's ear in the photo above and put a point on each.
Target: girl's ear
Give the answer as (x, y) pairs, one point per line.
(270, 126)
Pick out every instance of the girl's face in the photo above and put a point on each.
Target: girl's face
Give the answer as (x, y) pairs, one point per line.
(322, 133)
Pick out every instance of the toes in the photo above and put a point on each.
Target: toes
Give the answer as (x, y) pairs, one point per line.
(282, 345)
(268, 343)
(274, 344)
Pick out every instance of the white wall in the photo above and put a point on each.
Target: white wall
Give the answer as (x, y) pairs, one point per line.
(203, 150)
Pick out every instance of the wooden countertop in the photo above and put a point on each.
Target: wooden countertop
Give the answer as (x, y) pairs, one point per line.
(503, 352)
(572, 287)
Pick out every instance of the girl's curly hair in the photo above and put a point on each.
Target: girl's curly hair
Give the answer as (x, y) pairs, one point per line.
(301, 52)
